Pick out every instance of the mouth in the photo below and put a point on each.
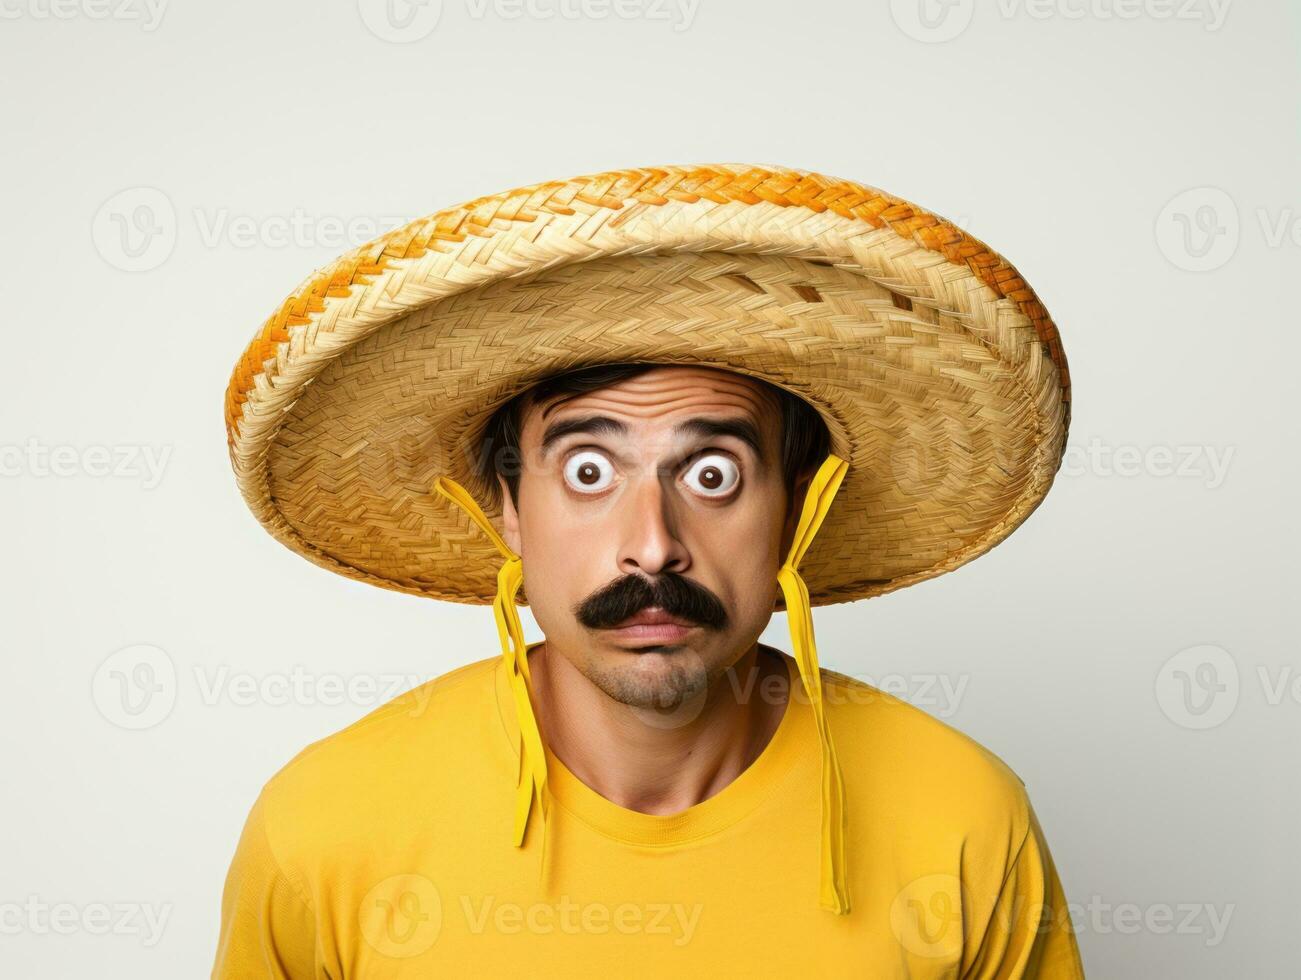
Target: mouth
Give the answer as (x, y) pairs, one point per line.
(653, 624)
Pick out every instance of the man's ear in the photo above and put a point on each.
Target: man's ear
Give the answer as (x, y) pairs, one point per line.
(509, 517)
(794, 507)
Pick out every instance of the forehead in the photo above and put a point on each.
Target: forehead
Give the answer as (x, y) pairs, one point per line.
(662, 397)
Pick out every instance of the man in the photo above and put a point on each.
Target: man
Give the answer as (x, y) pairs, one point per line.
(677, 793)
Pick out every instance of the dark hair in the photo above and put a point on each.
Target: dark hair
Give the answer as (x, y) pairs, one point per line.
(806, 441)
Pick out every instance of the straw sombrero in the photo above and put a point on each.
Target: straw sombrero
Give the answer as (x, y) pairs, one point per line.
(355, 415)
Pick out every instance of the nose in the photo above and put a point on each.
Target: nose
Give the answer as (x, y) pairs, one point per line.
(650, 542)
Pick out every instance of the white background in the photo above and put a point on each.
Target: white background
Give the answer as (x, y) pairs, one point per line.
(1136, 159)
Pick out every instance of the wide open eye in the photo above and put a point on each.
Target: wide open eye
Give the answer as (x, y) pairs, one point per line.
(588, 472)
(713, 475)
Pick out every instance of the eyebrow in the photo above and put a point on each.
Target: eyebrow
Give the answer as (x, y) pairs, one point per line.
(703, 428)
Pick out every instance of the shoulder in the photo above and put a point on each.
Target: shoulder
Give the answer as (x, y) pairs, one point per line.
(339, 785)
(960, 829)
(928, 770)
(431, 704)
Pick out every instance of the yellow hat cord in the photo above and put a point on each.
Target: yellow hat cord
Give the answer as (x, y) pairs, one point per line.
(834, 893)
(532, 780)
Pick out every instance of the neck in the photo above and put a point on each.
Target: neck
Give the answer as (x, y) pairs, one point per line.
(652, 761)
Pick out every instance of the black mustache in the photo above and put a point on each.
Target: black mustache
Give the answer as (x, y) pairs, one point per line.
(629, 595)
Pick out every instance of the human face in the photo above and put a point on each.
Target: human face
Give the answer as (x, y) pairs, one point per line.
(646, 497)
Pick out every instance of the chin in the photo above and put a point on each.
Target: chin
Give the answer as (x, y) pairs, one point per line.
(657, 678)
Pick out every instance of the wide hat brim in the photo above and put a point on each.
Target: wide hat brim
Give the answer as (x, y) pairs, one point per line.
(937, 370)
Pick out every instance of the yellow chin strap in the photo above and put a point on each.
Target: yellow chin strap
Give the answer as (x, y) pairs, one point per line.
(834, 891)
(532, 780)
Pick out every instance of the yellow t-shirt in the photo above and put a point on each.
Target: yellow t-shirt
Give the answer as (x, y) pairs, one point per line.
(386, 850)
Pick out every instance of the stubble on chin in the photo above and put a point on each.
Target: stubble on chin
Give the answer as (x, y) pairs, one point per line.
(669, 683)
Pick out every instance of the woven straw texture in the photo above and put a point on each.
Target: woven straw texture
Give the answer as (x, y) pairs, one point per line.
(939, 373)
